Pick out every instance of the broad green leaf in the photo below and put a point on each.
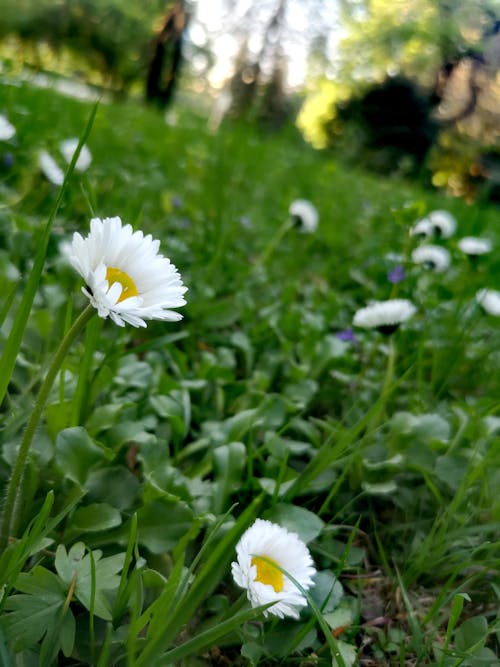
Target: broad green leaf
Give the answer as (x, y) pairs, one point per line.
(114, 485)
(472, 633)
(105, 416)
(36, 610)
(281, 639)
(380, 489)
(306, 524)
(327, 591)
(95, 517)
(133, 373)
(75, 563)
(229, 462)
(301, 393)
(348, 652)
(77, 454)
(451, 469)
(161, 523)
(424, 427)
(342, 616)
(41, 583)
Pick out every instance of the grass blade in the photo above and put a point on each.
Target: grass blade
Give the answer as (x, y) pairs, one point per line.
(13, 343)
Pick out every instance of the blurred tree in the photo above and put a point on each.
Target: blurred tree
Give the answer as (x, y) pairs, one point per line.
(165, 63)
(448, 50)
(261, 72)
(106, 40)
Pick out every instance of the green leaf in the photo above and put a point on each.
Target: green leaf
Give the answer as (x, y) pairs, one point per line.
(424, 428)
(41, 583)
(327, 591)
(105, 416)
(342, 616)
(472, 633)
(301, 393)
(114, 485)
(77, 454)
(95, 517)
(381, 488)
(451, 469)
(161, 523)
(67, 633)
(75, 563)
(34, 612)
(348, 653)
(229, 462)
(306, 524)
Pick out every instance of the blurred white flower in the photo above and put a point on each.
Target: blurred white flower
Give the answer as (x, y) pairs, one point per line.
(439, 223)
(68, 148)
(489, 299)
(423, 227)
(126, 278)
(305, 215)
(444, 223)
(432, 257)
(7, 130)
(50, 169)
(65, 249)
(384, 315)
(261, 545)
(473, 245)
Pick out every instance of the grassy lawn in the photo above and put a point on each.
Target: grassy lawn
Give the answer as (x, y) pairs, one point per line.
(159, 446)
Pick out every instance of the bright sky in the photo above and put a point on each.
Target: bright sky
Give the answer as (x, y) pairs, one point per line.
(224, 28)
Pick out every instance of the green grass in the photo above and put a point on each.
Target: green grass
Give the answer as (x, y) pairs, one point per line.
(160, 446)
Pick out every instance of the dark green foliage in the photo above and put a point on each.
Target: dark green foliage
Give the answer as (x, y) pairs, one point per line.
(391, 124)
(113, 38)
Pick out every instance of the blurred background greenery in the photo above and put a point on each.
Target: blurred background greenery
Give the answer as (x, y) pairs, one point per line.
(408, 87)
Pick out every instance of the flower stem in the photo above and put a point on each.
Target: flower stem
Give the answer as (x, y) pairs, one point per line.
(389, 376)
(14, 487)
(273, 243)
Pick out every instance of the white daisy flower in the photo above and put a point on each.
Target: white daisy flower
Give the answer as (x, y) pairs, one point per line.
(126, 278)
(432, 257)
(68, 148)
(305, 215)
(7, 130)
(423, 227)
(444, 223)
(472, 245)
(384, 315)
(489, 299)
(265, 583)
(50, 169)
(440, 223)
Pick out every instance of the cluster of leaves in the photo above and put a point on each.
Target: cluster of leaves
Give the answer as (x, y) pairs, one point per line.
(160, 446)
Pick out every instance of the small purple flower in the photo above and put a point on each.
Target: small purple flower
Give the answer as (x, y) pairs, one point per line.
(347, 335)
(176, 201)
(245, 222)
(396, 275)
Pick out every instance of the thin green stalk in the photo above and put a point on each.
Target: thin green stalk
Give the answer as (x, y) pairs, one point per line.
(389, 376)
(81, 397)
(13, 342)
(11, 507)
(273, 243)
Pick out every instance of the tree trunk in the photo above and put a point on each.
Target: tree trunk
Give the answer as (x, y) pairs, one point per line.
(165, 64)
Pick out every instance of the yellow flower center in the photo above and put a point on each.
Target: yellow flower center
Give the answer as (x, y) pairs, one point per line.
(267, 573)
(114, 275)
